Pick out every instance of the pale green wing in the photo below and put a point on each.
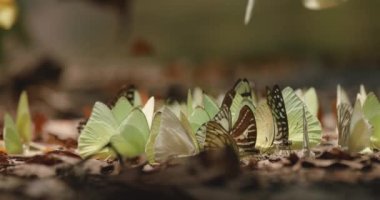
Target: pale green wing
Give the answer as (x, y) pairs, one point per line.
(375, 137)
(359, 140)
(121, 109)
(94, 137)
(321, 4)
(235, 107)
(137, 119)
(371, 106)
(310, 98)
(186, 124)
(148, 110)
(357, 114)
(210, 105)
(127, 148)
(101, 113)
(371, 110)
(172, 140)
(198, 117)
(360, 130)
(107, 153)
(294, 110)
(24, 121)
(150, 145)
(265, 126)
(135, 132)
(12, 139)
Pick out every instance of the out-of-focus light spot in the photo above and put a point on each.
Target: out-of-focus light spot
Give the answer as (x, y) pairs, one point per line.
(8, 13)
(321, 4)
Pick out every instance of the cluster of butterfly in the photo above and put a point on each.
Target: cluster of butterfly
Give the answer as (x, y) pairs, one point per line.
(310, 4)
(358, 126)
(242, 121)
(282, 121)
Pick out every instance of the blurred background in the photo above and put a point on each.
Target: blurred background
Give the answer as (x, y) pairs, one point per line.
(70, 53)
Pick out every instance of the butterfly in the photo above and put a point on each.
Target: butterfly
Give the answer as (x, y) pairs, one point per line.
(344, 112)
(170, 137)
(363, 127)
(310, 98)
(219, 132)
(242, 136)
(298, 114)
(234, 98)
(360, 130)
(120, 129)
(277, 105)
(265, 126)
(19, 133)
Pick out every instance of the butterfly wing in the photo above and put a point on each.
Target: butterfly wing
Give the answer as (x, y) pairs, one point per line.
(294, 111)
(210, 105)
(198, 117)
(148, 110)
(244, 131)
(223, 118)
(265, 126)
(360, 130)
(217, 137)
(228, 99)
(277, 105)
(371, 109)
(24, 121)
(121, 109)
(12, 140)
(95, 136)
(344, 113)
(168, 138)
(135, 132)
(310, 98)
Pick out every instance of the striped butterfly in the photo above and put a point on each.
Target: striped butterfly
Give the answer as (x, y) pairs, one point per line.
(344, 113)
(218, 133)
(276, 102)
(230, 105)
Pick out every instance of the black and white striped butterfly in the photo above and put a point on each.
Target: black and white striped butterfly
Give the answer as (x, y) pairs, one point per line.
(276, 102)
(218, 132)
